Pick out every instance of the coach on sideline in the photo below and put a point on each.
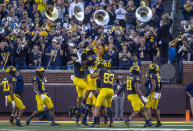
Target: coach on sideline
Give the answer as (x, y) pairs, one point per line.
(189, 92)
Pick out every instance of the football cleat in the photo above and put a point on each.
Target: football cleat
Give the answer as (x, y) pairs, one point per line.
(158, 124)
(84, 123)
(110, 125)
(126, 124)
(11, 122)
(17, 123)
(148, 124)
(54, 124)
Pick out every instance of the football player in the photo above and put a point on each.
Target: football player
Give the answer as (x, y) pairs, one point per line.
(11, 98)
(134, 94)
(155, 92)
(91, 99)
(42, 98)
(79, 80)
(92, 68)
(106, 77)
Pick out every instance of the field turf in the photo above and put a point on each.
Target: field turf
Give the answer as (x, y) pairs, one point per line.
(71, 126)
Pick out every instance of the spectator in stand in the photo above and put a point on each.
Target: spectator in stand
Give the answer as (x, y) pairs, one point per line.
(112, 55)
(120, 14)
(71, 55)
(76, 3)
(143, 50)
(109, 9)
(151, 37)
(54, 53)
(188, 9)
(35, 57)
(153, 3)
(159, 8)
(21, 51)
(130, 7)
(61, 10)
(6, 54)
(124, 57)
(135, 61)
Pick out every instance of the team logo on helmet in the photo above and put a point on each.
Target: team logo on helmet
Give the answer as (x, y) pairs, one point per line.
(134, 69)
(90, 50)
(10, 69)
(106, 64)
(154, 68)
(40, 69)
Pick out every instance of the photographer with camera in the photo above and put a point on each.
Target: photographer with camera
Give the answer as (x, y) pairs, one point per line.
(124, 57)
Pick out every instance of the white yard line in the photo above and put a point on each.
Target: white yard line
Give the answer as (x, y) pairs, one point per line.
(134, 129)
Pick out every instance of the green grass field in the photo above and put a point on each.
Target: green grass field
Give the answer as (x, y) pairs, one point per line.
(70, 126)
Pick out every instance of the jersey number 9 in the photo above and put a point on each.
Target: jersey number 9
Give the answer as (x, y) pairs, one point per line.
(108, 78)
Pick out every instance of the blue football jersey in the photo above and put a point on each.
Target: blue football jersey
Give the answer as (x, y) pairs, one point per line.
(41, 84)
(6, 83)
(79, 70)
(106, 78)
(157, 79)
(131, 79)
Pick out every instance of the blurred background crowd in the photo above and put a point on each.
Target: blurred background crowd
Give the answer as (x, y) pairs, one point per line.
(28, 39)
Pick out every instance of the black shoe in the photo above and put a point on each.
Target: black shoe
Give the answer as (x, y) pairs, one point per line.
(95, 124)
(158, 124)
(54, 124)
(126, 124)
(148, 124)
(110, 125)
(11, 121)
(84, 123)
(121, 119)
(17, 123)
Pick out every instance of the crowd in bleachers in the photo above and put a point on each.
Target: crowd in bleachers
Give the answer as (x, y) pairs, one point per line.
(29, 39)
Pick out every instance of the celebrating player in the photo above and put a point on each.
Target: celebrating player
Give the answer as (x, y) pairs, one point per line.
(106, 77)
(79, 80)
(41, 97)
(134, 95)
(155, 92)
(10, 96)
